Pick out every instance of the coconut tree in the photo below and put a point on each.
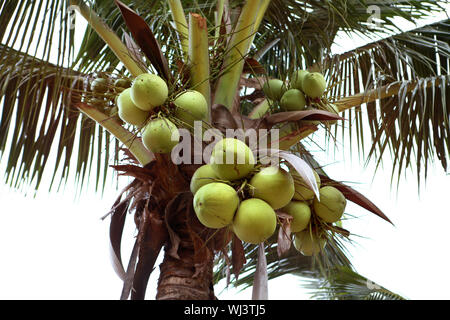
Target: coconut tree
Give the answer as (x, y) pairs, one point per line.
(394, 89)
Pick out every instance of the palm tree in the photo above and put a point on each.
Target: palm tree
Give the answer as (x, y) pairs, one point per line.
(394, 89)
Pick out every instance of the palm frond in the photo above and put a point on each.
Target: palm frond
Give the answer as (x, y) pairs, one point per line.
(404, 82)
(39, 120)
(299, 25)
(292, 263)
(307, 29)
(345, 284)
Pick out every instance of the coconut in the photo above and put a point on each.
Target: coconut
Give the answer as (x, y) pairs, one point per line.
(99, 85)
(274, 89)
(308, 243)
(121, 84)
(314, 85)
(296, 81)
(128, 111)
(98, 103)
(293, 100)
(215, 204)
(255, 221)
(202, 176)
(302, 191)
(149, 91)
(191, 105)
(160, 136)
(301, 215)
(232, 159)
(273, 185)
(331, 205)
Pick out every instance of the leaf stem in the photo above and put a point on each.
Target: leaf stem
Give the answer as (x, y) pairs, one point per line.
(111, 39)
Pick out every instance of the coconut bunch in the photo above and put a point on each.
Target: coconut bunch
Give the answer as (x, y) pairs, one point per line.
(104, 91)
(234, 191)
(147, 106)
(309, 214)
(304, 91)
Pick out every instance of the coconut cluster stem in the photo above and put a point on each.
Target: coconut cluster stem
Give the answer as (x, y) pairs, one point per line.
(238, 48)
(111, 39)
(181, 24)
(199, 57)
(219, 16)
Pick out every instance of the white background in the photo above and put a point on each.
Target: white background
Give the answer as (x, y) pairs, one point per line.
(56, 247)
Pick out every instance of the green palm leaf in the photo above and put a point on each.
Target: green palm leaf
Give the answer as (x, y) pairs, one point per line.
(343, 283)
(40, 120)
(404, 80)
(294, 28)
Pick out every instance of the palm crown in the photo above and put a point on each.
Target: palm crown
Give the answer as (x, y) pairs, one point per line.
(400, 80)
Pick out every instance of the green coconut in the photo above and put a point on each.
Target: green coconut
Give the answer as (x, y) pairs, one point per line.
(191, 106)
(331, 206)
(302, 191)
(160, 136)
(121, 84)
(99, 85)
(232, 159)
(274, 89)
(293, 100)
(255, 221)
(215, 205)
(98, 103)
(202, 176)
(308, 243)
(301, 215)
(296, 81)
(128, 111)
(273, 185)
(314, 85)
(149, 91)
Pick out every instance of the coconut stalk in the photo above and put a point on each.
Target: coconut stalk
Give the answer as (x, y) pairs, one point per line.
(260, 110)
(181, 25)
(219, 17)
(234, 59)
(111, 39)
(199, 57)
(134, 145)
(260, 17)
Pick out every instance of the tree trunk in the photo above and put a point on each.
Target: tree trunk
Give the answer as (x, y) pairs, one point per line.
(186, 272)
(182, 279)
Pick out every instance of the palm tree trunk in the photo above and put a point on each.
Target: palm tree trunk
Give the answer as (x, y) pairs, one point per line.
(181, 279)
(186, 272)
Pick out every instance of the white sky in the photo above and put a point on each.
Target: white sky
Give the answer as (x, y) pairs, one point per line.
(56, 247)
